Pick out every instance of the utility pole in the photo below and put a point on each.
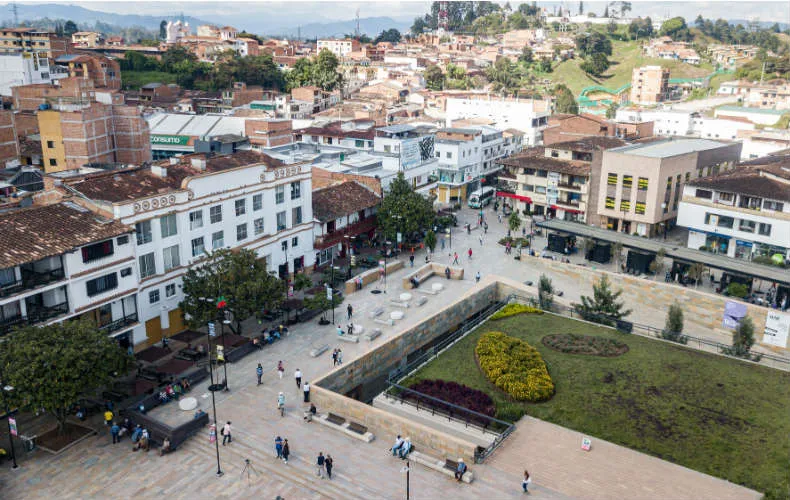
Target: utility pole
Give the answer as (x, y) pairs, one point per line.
(299, 33)
(16, 14)
(356, 32)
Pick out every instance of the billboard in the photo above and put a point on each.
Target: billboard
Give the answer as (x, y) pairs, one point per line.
(415, 151)
(733, 313)
(171, 140)
(777, 328)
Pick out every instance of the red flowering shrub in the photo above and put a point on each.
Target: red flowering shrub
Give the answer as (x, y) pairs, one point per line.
(452, 392)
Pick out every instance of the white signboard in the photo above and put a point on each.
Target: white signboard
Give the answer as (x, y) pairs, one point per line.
(552, 191)
(777, 328)
(410, 153)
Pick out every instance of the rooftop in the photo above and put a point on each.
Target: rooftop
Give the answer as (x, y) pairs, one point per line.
(668, 148)
(347, 198)
(534, 158)
(194, 125)
(744, 109)
(746, 180)
(590, 143)
(31, 234)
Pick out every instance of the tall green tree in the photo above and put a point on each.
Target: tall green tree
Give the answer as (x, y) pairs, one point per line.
(526, 55)
(545, 292)
(163, 30)
(239, 277)
(319, 302)
(592, 43)
(596, 64)
(564, 101)
(325, 74)
(603, 305)
(742, 339)
(403, 210)
(434, 78)
(514, 221)
(504, 75)
(391, 35)
(673, 328)
(430, 240)
(53, 366)
(611, 111)
(70, 28)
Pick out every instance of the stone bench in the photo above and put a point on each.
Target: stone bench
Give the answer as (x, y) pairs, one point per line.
(429, 292)
(397, 303)
(352, 429)
(427, 271)
(375, 313)
(372, 335)
(317, 351)
(422, 300)
(397, 315)
(446, 467)
(348, 338)
(388, 322)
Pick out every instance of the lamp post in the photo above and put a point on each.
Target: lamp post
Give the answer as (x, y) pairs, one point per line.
(225, 321)
(9, 388)
(213, 387)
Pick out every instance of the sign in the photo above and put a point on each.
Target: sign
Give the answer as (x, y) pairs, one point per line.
(552, 191)
(733, 313)
(410, 153)
(329, 293)
(777, 329)
(220, 353)
(399, 237)
(211, 331)
(12, 424)
(586, 443)
(171, 140)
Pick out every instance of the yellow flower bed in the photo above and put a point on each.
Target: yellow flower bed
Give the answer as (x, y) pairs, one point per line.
(514, 366)
(513, 309)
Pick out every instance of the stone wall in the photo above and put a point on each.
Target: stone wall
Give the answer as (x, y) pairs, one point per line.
(456, 273)
(372, 275)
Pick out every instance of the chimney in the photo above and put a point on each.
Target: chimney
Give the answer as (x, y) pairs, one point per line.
(174, 160)
(159, 171)
(199, 163)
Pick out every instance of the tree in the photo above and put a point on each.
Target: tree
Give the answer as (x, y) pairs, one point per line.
(526, 55)
(504, 75)
(581, 8)
(434, 78)
(545, 65)
(514, 221)
(611, 111)
(301, 282)
(53, 366)
(696, 271)
(391, 35)
(617, 254)
(592, 43)
(163, 30)
(611, 26)
(596, 64)
(640, 28)
(545, 292)
(603, 306)
(239, 277)
(418, 26)
(403, 210)
(606, 11)
(430, 240)
(320, 303)
(675, 28)
(658, 263)
(325, 74)
(673, 328)
(564, 101)
(70, 28)
(620, 9)
(742, 339)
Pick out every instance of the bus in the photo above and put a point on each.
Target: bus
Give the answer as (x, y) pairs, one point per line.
(481, 197)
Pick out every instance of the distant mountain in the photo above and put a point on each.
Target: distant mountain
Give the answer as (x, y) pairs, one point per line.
(370, 26)
(762, 24)
(83, 16)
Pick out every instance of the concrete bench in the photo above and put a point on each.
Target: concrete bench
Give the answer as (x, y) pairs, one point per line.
(388, 322)
(372, 335)
(422, 300)
(317, 351)
(375, 313)
(348, 338)
(428, 292)
(352, 429)
(446, 467)
(397, 303)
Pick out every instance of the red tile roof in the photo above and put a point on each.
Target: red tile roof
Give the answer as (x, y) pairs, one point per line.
(347, 198)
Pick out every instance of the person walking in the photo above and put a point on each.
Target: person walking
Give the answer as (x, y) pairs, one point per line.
(298, 377)
(481, 240)
(470, 253)
(442, 243)
(455, 258)
(319, 462)
(334, 357)
(485, 227)
(278, 446)
(259, 373)
(526, 481)
(329, 463)
(411, 259)
(499, 216)
(350, 311)
(115, 431)
(280, 368)
(108, 417)
(339, 356)
(226, 437)
(306, 390)
(477, 277)
(286, 451)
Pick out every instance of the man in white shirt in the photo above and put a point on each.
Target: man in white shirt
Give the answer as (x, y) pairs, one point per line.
(298, 377)
(397, 446)
(306, 389)
(226, 437)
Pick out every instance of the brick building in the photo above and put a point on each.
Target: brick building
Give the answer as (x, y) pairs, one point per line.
(268, 133)
(14, 40)
(564, 128)
(649, 85)
(103, 71)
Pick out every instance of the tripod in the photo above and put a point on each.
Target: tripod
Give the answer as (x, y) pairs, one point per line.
(247, 469)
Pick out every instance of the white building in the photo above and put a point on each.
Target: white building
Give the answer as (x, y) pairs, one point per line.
(25, 69)
(62, 261)
(526, 115)
(339, 47)
(183, 207)
(743, 213)
(409, 149)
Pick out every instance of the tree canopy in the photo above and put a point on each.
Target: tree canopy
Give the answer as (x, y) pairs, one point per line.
(595, 64)
(53, 366)
(404, 210)
(676, 29)
(320, 71)
(593, 43)
(391, 35)
(564, 101)
(603, 305)
(434, 78)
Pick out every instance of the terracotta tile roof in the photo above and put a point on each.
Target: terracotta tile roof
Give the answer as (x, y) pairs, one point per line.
(748, 181)
(589, 143)
(335, 129)
(34, 233)
(336, 201)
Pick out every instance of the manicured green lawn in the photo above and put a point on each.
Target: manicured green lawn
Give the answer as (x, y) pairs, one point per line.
(712, 414)
(135, 79)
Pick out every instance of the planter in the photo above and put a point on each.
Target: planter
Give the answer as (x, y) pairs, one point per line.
(55, 443)
(323, 321)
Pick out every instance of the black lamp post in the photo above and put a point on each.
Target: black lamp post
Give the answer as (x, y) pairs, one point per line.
(5, 389)
(213, 388)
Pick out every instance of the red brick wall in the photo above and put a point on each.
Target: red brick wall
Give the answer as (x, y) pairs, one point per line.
(268, 133)
(322, 178)
(9, 148)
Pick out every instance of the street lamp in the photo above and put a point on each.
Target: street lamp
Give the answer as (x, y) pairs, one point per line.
(6, 389)
(213, 387)
(406, 469)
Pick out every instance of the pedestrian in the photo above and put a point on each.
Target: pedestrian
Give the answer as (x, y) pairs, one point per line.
(526, 481)
(280, 368)
(108, 417)
(339, 356)
(477, 277)
(524, 232)
(329, 463)
(442, 243)
(499, 216)
(259, 373)
(460, 470)
(468, 228)
(298, 377)
(226, 437)
(455, 258)
(115, 431)
(485, 227)
(306, 390)
(334, 357)
(481, 240)
(411, 260)
(319, 462)
(350, 311)
(286, 451)
(278, 446)
(470, 253)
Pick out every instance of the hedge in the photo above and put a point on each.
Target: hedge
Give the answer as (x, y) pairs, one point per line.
(513, 309)
(514, 366)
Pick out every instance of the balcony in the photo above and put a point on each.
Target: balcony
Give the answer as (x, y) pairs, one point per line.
(570, 187)
(120, 324)
(35, 315)
(31, 279)
(335, 237)
(569, 203)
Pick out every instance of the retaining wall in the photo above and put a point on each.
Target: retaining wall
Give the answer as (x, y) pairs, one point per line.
(371, 276)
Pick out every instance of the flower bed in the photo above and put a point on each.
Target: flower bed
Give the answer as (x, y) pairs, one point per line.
(452, 392)
(585, 344)
(514, 366)
(515, 242)
(513, 309)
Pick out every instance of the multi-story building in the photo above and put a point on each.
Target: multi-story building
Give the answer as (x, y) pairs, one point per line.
(45, 43)
(18, 69)
(62, 261)
(564, 128)
(408, 149)
(267, 133)
(183, 207)
(304, 102)
(79, 132)
(103, 71)
(529, 116)
(86, 39)
(556, 180)
(649, 85)
(357, 134)
(176, 133)
(339, 47)
(641, 184)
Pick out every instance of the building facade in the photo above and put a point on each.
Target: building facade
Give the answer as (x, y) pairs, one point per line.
(649, 85)
(526, 115)
(339, 47)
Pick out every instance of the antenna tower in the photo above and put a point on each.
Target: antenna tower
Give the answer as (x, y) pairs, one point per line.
(443, 19)
(356, 30)
(16, 14)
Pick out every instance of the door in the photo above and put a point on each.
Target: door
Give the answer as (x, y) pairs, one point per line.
(176, 322)
(153, 330)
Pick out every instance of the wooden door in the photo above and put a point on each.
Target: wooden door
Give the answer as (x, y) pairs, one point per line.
(176, 322)
(153, 330)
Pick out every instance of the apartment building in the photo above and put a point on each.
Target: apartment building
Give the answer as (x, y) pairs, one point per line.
(62, 261)
(409, 149)
(267, 133)
(339, 47)
(529, 116)
(103, 71)
(25, 69)
(33, 40)
(641, 184)
(743, 213)
(86, 39)
(79, 132)
(649, 85)
(565, 127)
(357, 134)
(182, 207)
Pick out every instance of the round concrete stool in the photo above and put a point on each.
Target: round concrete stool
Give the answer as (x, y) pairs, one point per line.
(188, 404)
(396, 315)
(405, 297)
(437, 287)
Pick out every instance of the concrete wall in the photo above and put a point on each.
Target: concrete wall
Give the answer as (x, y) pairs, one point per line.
(372, 275)
(456, 273)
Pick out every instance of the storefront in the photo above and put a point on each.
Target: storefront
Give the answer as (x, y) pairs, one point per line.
(525, 201)
(166, 146)
(743, 249)
(717, 243)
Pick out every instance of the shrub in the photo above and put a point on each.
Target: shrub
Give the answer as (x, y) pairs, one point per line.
(513, 309)
(738, 290)
(573, 343)
(514, 242)
(510, 412)
(451, 392)
(514, 366)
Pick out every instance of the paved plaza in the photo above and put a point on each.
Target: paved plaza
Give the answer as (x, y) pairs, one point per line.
(561, 470)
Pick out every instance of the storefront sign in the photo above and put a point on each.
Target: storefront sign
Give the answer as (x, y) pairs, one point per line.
(552, 191)
(777, 329)
(733, 313)
(12, 424)
(171, 140)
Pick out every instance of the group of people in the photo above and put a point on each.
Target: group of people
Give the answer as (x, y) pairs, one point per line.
(337, 357)
(402, 447)
(173, 390)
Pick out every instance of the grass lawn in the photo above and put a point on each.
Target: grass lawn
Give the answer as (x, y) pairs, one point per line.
(136, 79)
(709, 413)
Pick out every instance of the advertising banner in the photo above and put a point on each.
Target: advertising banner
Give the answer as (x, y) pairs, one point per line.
(733, 313)
(777, 329)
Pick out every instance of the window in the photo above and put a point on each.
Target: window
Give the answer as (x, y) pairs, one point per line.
(296, 190)
(540, 189)
(529, 171)
(257, 225)
(50, 144)
(147, 265)
(215, 214)
(746, 226)
(168, 225)
(284, 245)
(294, 242)
(153, 296)
(642, 184)
(123, 240)
(241, 232)
(610, 202)
(53, 162)
(358, 143)
(198, 247)
(171, 257)
(611, 179)
(543, 173)
(703, 193)
(640, 208)
(628, 181)
(170, 290)
(143, 230)
(279, 194)
(257, 202)
(773, 205)
(449, 155)
(127, 271)
(97, 251)
(241, 207)
(218, 240)
(195, 219)
(726, 221)
(765, 229)
(101, 284)
(625, 205)
(280, 221)
(527, 187)
(296, 215)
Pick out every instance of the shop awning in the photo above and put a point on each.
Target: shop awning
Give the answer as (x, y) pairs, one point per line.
(569, 210)
(503, 194)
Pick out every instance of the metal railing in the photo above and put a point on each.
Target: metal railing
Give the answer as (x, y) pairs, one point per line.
(31, 280)
(113, 326)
